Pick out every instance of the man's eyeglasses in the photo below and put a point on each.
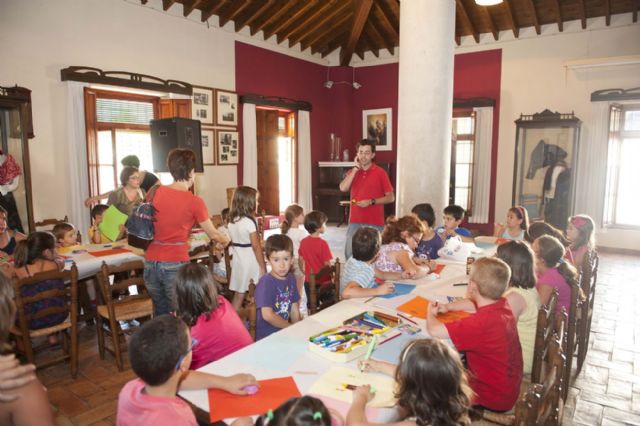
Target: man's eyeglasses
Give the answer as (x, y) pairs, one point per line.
(194, 343)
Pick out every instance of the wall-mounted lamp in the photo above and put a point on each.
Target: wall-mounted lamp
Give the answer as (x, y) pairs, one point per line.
(356, 85)
(328, 84)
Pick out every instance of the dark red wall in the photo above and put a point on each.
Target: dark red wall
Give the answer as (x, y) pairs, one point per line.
(339, 109)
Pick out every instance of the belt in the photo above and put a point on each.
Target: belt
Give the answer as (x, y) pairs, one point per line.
(241, 245)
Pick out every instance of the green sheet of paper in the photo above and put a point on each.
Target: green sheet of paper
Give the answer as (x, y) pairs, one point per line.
(112, 218)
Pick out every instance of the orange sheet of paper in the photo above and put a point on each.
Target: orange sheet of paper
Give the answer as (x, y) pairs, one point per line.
(101, 253)
(439, 267)
(272, 393)
(419, 306)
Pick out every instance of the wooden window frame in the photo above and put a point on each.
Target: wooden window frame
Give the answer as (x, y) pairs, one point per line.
(464, 137)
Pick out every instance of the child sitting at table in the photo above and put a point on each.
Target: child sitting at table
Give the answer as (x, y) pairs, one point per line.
(399, 240)
(303, 411)
(358, 277)
(580, 234)
(24, 399)
(160, 355)
(96, 236)
(314, 251)
(489, 338)
(293, 219)
(554, 272)
(431, 387)
(66, 234)
(516, 225)
(522, 295)
(8, 237)
(34, 255)
(430, 243)
(213, 321)
(276, 294)
(453, 215)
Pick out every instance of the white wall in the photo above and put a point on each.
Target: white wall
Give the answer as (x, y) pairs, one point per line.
(40, 37)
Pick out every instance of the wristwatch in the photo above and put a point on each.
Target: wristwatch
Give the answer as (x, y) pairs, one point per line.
(373, 201)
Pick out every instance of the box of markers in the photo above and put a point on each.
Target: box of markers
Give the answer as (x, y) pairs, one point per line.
(351, 340)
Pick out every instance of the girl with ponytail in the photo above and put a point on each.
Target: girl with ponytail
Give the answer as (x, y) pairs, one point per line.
(293, 218)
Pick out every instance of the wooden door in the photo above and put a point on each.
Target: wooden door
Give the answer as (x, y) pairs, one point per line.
(268, 178)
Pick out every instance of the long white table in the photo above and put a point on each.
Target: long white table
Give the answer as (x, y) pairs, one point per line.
(285, 353)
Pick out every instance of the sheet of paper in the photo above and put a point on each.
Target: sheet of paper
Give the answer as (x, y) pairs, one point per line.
(419, 306)
(112, 218)
(330, 384)
(277, 352)
(390, 350)
(392, 303)
(400, 289)
(438, 269)
(272, 393)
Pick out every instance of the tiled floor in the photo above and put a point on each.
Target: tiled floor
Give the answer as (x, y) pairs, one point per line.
(607, 392)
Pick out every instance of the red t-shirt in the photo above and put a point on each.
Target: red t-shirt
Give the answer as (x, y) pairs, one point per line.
(176, 213)
(316, 253)
(368, 184)
(220, 335)
(494, 356)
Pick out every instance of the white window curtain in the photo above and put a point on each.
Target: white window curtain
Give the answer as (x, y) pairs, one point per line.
(304, 161)
(482, 165)
(75, 147)
(250, 146)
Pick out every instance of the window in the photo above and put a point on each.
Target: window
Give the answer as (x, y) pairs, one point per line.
(462, 153)
(623, 174)
(117, 126)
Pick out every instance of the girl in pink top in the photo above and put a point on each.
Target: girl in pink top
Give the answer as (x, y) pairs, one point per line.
(553, 272)
(213, 321)
(580, 234)
(399, 240)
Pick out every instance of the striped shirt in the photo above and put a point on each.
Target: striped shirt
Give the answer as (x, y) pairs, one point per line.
(359, 272)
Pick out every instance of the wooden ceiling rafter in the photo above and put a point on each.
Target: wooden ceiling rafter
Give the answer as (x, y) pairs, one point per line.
(306, 36)
(331, 33)
(232, 11)
(213, 8)
(583, 14)
(389, 39)
(635, 10)
(360, 14)
(335, 42)
(166, 4)
(511, 18)
(249, 14)
(304, 19)
(366, 37)
(464, 17)
(286, 18)
(534, 15)
(607, 11)
(387, 24)
(189, 6)
(372, 30)
(484, 10)
(277, 15)
(555, 5)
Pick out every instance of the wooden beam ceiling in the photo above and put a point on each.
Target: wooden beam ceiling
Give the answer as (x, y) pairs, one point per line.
(558, 14)
(534, 15)
(232, 11)
(492, 25)
(305, 34)
(303, 20)
(189, 6)
(583, 14)
(511, 18)
(360, 14)
(214, 8)
(607, 11)
(273, 18)
(166, 4)
(464, 17)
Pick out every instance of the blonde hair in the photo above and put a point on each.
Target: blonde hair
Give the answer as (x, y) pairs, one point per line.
(491, 275)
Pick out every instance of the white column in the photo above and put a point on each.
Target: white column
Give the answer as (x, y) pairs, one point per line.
(425, 101)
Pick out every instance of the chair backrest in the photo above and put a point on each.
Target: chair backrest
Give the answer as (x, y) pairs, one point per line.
(124, 276)
(227, 262)
(248, 312)
(48, 224)
(544, 333)
(36, 300)
(588, 280)
(573, 325)
(203, 255)
(334, 271)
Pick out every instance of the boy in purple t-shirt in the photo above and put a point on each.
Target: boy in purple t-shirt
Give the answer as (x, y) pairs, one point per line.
(276, 294)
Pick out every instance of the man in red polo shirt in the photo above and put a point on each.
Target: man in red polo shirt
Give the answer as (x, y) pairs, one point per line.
(370, 190)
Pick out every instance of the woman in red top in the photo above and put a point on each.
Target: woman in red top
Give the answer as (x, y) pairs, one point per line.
(177, 210)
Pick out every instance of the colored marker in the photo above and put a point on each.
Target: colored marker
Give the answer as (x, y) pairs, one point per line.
(372, 346)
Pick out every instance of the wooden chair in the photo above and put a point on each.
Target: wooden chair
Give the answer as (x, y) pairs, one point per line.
(588, 284)
(317, 292)
(69, 327)
(124, 307)
(544, 334)
(248, 312)
(48, 224)
(574, 323)
(203, 255)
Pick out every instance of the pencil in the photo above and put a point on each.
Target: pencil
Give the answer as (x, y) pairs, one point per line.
(407, 319)
(460, 284)
(370, 299)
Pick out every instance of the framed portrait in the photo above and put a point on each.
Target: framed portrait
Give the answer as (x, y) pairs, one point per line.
(202, 105)
(228, 147)
(377, 125)
(226, 108)
(208, 146)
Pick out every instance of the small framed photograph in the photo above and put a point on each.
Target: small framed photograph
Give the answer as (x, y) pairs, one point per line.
(208, 146)
(226, 108)
(202, 105)
(228, 152)
(377, 125)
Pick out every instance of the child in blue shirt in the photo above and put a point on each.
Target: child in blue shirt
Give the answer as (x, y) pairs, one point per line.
(430, 243)
(452, 218)
(277, 296)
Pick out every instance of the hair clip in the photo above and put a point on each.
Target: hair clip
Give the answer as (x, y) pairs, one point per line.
(578, 222)
(317, 415)
(269, 415)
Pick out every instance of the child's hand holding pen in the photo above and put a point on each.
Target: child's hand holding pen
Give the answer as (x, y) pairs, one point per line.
(370, 366)
(385, 288)
(363, 393)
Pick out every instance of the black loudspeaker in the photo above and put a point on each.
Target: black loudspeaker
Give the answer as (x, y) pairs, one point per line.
(170, 133)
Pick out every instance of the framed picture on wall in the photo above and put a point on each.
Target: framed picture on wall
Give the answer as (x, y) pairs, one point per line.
(228, 147)
(208, 146)
(202, 105)
(377, 125)
(226, 108)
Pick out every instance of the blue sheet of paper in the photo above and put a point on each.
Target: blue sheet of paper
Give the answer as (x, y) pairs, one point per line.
(400, 289)
(390, 351)
(277, 352)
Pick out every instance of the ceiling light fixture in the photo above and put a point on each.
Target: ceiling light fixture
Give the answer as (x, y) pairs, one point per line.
(488, 2)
